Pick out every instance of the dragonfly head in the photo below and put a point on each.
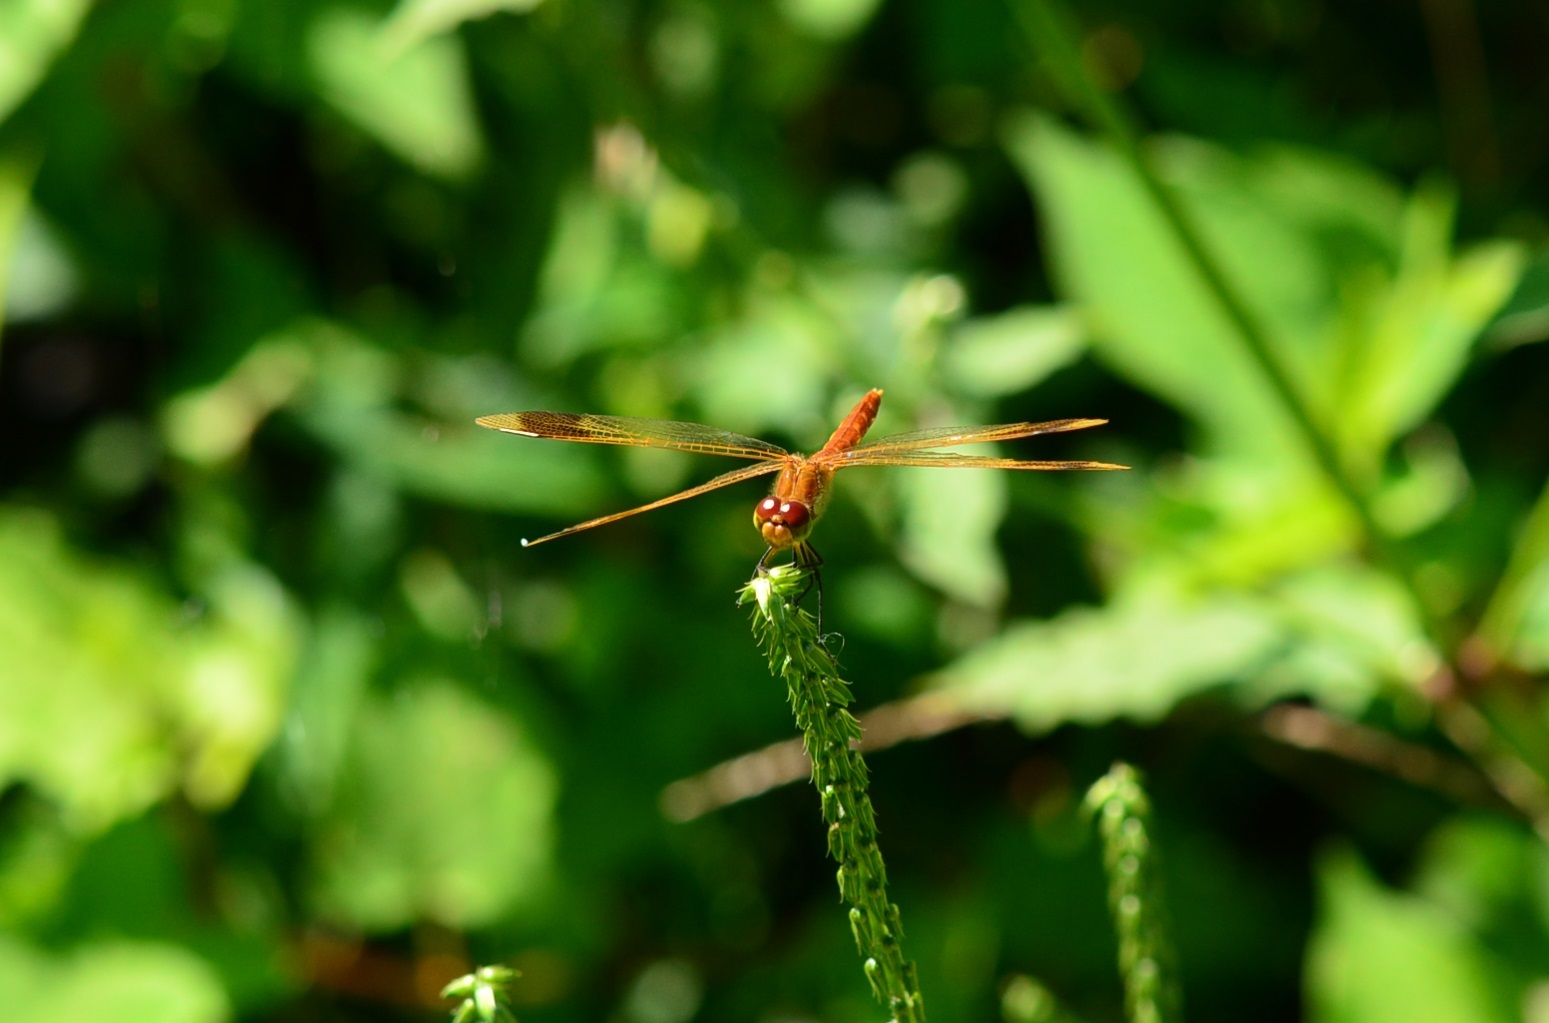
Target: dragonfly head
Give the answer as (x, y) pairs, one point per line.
(782, 523)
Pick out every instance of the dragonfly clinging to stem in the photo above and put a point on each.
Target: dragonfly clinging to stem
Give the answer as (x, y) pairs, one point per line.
(785, 518)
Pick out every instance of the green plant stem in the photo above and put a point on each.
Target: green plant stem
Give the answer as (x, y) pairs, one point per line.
(820, 700)
(1134, 896)
(1514, 762)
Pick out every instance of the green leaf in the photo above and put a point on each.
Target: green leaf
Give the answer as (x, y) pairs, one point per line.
(108, 702)
(829, 19)
(1525, 316)
(992, 356)
(140, 981)
(1478, 868)
(1366, 307)
(331, 678)
(1380, 956)
(43, 278)
(444, 814)
(414, 21)
(949, 527)
(1532, 635)
(416, 103)
(1134, 660)
(1406, 339)
(1151, 316)
(32, 34)
(15, 184)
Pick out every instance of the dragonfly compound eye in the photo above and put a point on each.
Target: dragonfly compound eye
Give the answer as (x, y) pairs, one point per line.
(796, 516)
(781, 523)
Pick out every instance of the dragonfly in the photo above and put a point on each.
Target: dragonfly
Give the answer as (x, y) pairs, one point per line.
(785, 518)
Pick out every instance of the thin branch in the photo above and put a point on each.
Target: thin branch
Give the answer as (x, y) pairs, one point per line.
(781, 763)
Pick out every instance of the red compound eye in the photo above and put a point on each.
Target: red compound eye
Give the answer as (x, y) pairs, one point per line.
(766, 510)
(795, 515)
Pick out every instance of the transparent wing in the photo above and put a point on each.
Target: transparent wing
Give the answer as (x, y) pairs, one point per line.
(747, 472)
(640, 433)
(951, 459)
(948, 436)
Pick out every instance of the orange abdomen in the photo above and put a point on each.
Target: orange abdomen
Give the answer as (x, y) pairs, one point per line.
(855, 424)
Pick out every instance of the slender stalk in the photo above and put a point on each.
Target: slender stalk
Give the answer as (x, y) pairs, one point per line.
(1134, 896)
(820, 700)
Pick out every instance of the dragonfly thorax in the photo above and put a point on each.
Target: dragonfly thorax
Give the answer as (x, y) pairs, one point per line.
(782, 523)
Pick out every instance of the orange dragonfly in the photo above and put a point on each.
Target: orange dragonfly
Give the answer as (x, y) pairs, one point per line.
(785, 518)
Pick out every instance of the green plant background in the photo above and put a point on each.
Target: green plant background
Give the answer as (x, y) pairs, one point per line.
(292, 728)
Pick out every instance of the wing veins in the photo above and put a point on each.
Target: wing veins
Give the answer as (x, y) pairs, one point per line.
(946, 436)
(953, 460)
(633, 432)
(725, 479)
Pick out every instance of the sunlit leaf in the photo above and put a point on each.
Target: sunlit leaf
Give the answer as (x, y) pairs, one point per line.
(1012, 351)
(15, 183)
(416, 103)
(140, 981)
(107, 702)
(1133, 660)
(42, 279)
(413, 21)
(949, 524)
(1406, 340)
(1532, 636)
(1151, 316)
(829, 19)
(443, 814)
(1379, 956)
(1367, 310)
(32, 34)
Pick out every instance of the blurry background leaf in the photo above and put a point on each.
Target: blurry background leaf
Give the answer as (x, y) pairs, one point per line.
(1012, 351)
(1370, 313)
(32, 33)
(443, 813)
(413, 101)
(15, 181)
(413, 21)
(1133, 660)
(1378, 955)
(948, 536)
(101, 663)
(42, 278)
(114, 980)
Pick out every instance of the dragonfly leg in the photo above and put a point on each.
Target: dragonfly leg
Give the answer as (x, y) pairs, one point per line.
(808, 558)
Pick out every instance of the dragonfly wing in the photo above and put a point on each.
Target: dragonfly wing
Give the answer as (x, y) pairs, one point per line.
(643, 433)
(953, 460)
(947, 436)
(747, 472)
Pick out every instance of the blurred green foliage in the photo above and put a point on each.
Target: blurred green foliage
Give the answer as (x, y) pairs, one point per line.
(292, 728)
